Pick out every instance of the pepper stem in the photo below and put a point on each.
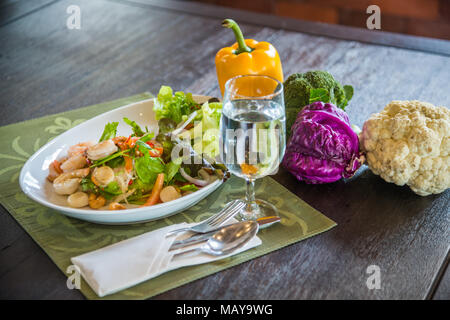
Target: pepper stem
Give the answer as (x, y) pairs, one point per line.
(242, 46)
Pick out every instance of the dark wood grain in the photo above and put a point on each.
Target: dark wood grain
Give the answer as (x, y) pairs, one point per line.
(124, 49)
(443, 284)
(11, 10)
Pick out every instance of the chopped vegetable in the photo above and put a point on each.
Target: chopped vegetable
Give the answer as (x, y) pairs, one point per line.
(109, 132)
(128, 163)
(154, 196)
(173, 106)
(169, 193)
(99, 162)
(198, 182)
(172, 168)
(207, 125)
(166, 125)
(113, 188)
(137, 131)
(147, 168)
(189, 187)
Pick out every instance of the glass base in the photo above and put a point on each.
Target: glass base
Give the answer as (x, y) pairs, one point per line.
(259, 209)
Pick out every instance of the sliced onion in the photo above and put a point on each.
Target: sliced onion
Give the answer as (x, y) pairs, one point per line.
(195, 181)
(204, 174)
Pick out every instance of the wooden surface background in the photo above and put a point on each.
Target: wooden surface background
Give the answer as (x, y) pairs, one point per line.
(127, 47)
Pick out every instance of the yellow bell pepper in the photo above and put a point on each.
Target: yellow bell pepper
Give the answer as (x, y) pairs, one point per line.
(246, 56)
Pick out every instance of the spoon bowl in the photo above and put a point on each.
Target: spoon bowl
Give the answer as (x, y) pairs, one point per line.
(227, 239)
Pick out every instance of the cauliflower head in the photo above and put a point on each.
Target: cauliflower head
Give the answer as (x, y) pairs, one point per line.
(409, 143)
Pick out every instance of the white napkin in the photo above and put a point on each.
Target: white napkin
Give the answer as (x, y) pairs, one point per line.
(129, 262)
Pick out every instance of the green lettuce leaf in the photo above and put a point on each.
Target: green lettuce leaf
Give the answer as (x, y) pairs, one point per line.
(137, 131)
(147, 168)
(210, 123)
(173, 106)
(109, 132)
(171, 169)
(189, 187)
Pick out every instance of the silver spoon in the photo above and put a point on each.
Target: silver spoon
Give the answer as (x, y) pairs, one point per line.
(227, 239)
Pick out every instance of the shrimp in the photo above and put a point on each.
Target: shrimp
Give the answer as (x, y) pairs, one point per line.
(102, 176)
(68, 182)
(74, 162)
(116, 206)
(54, 170)
(96, 201)
(101, 150)
(79, 148)
(121, 141)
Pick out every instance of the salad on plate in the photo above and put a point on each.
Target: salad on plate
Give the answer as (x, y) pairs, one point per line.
(144, 168)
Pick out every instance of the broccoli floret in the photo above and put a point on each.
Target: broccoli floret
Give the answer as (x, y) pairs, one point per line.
(297, 90)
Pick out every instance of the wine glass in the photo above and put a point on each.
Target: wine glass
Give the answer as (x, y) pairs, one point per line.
(253, 135)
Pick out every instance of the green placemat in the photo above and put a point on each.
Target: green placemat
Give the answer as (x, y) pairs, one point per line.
(62, 237)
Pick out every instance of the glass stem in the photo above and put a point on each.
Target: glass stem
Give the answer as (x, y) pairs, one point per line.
(252, 207)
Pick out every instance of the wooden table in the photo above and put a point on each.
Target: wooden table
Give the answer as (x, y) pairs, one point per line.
(126, 47)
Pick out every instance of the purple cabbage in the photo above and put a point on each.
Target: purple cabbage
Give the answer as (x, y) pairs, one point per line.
(323, 147)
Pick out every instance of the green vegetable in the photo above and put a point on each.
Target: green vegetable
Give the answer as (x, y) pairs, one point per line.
(137, 131)
(116, 162)
(88, 186)
(109, 132)
(301, 89)
(166, 125)
(179, 177)
(189, 187)
(171, 169)
(167, 145)
(99, 162)
(318, 95)
(141, 187)
(173, 106)
(147, 168)
(147, 137)
(113, 188)
(109, 192)
(144, 148)
(348, 92)
(210, 122)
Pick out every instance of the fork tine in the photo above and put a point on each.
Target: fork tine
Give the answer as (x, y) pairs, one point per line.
(227, 207)
(225, 212)
(229, 210)
(229, 214)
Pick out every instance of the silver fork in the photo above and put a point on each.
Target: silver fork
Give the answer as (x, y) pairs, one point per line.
(214, 221)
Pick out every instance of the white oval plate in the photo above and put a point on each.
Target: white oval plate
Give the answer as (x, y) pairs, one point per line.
(33, 177)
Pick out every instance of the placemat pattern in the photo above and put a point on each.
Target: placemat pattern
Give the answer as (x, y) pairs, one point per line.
(62, 237)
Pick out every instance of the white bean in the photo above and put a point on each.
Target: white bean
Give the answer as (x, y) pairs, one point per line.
(78, 200)
(169, 193)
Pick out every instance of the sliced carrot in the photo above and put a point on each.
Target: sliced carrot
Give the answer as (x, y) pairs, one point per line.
(154, 196)
(128, 163)
(132, 141)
